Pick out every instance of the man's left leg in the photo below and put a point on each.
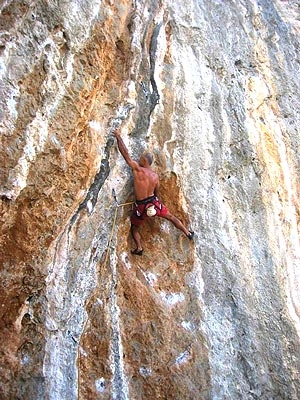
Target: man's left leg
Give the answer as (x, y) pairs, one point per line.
(137, 239)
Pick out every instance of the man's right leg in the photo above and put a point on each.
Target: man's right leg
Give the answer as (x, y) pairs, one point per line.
(179, 225)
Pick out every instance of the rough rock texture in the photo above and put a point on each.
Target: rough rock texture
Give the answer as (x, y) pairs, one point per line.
(212, 89)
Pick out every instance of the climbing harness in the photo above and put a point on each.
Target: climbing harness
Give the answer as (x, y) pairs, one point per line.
(150, 206)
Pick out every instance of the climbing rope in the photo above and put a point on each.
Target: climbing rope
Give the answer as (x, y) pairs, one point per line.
(105, 262)
(114, 223)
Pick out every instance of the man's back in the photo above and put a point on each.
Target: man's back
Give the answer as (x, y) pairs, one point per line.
(146, 182)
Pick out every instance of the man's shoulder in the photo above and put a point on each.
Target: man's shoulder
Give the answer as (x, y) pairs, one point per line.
(150, 172)
(147, 173)
(135, 166)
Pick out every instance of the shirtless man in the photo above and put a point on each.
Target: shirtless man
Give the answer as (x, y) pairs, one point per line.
(146, 184)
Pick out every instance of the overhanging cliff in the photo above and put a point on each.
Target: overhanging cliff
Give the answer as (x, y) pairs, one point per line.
(211, 88)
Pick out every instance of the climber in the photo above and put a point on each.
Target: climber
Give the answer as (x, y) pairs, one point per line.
(147, 204)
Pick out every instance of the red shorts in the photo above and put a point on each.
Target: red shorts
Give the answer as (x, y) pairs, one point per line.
(139, 212)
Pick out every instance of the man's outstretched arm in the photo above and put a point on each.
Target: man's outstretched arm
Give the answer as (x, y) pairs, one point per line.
(123, 150)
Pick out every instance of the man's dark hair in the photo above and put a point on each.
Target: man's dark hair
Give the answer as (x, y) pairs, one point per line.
(149, 157)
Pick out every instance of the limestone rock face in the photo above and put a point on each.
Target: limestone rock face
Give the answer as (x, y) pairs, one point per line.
(211, 88)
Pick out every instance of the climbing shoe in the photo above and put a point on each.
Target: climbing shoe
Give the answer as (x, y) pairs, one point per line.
(191, 235)
(137, 252)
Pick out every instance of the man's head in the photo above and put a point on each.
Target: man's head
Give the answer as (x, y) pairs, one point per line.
(146, 159)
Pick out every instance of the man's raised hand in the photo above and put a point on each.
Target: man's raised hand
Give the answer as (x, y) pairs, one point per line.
(116, 132)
